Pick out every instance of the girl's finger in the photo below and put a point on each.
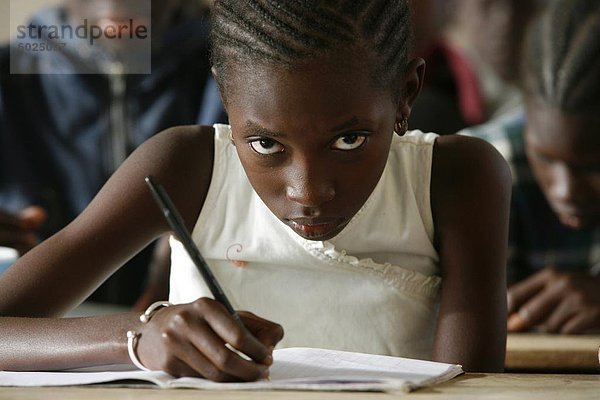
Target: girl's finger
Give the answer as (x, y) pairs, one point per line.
(559, 316)
(228, 364)
(516, 323)
(183, 332)
(206, 341)
(179, 368)
(535, 310)
(194, 363)
(232, 332)
(581, 323)
(267, 332)
(522, 291)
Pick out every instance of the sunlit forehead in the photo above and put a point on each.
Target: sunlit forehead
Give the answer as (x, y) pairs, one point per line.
(315, 91)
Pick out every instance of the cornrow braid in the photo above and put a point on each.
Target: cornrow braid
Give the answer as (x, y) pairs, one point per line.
(290, 32)
(561, 64)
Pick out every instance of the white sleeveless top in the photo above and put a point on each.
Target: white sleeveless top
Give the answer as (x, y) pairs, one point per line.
(373, 288)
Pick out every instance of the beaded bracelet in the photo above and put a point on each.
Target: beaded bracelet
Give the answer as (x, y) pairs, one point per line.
(133, 336)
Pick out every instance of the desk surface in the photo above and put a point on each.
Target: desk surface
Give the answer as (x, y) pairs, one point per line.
(552, 352)
(468, 386)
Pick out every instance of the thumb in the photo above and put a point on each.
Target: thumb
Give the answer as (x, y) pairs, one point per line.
(267, 332)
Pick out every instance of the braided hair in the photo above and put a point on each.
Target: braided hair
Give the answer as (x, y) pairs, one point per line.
(561, 64)
(290, 32)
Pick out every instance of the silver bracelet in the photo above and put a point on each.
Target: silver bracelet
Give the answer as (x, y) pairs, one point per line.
(133, 336)
(145, 317)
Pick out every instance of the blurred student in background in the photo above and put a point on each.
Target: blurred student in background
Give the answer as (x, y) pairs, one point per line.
(490, 33)
(471, 48)
(553, 147)
(72, 115)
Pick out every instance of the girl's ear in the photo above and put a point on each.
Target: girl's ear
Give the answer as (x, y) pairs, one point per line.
(411, 85)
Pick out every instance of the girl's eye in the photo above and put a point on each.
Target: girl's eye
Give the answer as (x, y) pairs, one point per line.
(266, 146)
(349, 142)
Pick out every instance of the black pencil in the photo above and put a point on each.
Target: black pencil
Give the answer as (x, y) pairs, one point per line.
(176, 222)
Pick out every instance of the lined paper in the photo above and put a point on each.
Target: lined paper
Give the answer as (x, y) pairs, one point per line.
(292, 369)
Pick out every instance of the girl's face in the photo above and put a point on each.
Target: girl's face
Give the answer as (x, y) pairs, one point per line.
(313, 142)
(564, 151)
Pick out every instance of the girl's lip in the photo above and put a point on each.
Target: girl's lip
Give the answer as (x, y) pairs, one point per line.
(313, 230)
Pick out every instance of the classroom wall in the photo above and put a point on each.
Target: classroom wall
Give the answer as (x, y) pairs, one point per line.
(21, 10)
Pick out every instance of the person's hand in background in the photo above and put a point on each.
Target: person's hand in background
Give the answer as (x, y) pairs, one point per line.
(555, 302)
(19, 230)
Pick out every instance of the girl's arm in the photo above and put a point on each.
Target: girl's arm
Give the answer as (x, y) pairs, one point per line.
(61, 272)
(470, 194)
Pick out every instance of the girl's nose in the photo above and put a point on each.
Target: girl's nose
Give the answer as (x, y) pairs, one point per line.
(309, 186)
(310, 194)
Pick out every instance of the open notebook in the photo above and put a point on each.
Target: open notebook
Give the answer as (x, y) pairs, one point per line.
(293, 369)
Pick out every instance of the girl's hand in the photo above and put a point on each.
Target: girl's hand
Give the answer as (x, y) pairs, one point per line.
(190, 340)
(555, 302)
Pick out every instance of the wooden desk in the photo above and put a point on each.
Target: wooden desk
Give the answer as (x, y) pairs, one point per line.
(465, 387)
(532, 351)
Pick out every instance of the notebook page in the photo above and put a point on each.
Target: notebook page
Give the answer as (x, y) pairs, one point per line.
(293, 369)
(36, 379)
(324, 370)
(311, 364)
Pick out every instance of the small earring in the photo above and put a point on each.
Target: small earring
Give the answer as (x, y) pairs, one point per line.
(231, 137)
(401, 127)
(397, 128)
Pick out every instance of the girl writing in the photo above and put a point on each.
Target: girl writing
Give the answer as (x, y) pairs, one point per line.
(344, 222)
